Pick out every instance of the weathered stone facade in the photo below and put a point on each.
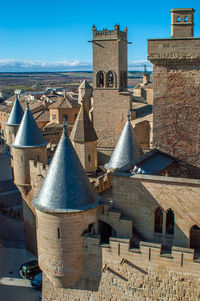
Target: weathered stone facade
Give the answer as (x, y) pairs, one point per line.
(176, 92)
(117, 272)
(138, 196)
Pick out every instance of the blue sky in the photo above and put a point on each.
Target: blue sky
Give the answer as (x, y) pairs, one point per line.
(53, 35)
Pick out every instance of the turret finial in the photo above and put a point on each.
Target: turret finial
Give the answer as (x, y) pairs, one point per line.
(129, 116)
(64, 125)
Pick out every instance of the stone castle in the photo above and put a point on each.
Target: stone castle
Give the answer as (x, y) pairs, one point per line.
(140, 239)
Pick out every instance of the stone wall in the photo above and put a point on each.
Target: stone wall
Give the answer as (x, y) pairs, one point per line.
(21, 167)
(29, 226)
(138, 197)
(87, 153)
(110, 115)
(116, 272)
(142, 132)
(176, 97)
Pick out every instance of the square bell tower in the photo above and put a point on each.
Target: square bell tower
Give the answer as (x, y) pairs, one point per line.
(112, 101)
(182, 22)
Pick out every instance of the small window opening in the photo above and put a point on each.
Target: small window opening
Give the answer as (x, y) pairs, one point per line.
(110, 79)
(89, 158)
(178, 19)
(170, 222)
(53, 116)
(75, 116)
(22, 159)
(65, 118)
(58, 233)
(38, 158)
(186, 19)
(100, 79)
(158, 221)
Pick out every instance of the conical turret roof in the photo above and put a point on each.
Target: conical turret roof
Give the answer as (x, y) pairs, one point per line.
(28, 134)
(16, 113)
(83, 130)
(85, 85)
(66, 187)
(127, 149)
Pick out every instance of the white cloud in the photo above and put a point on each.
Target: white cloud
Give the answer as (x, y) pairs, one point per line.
(64, 65)
(20, 65)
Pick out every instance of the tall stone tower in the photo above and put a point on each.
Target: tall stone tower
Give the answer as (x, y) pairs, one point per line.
(112, 101)
(14, 122)
(29, 144)
(84, 139)
(176, 65)
(65, 207)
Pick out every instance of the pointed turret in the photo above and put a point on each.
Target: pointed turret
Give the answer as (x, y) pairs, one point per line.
(85, 93)
(127, 149)
(66, 207)
(29, 144)
(66, 186)
(84, 139)
(14, 122)
(85, 85)
(29, 134)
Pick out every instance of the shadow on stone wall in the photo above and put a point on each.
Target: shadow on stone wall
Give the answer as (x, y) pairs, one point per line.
(92, 264)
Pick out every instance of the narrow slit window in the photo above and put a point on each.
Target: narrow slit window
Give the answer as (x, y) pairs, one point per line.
(170, 222)
(158, 220)
(58, 233)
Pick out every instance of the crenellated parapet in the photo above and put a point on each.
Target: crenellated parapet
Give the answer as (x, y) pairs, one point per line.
(38, 168)
(148, 254)
(102, 183)
(110, 34)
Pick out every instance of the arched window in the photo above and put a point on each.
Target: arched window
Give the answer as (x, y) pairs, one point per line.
(100, 79)
(158, 220)
(186, 19)
(170, 222)
(110, 80)
(178, 19)
(195, 237)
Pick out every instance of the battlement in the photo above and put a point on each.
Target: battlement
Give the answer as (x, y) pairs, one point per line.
(38, 168)
(118, 251)
(102, 182)
(110, 34)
